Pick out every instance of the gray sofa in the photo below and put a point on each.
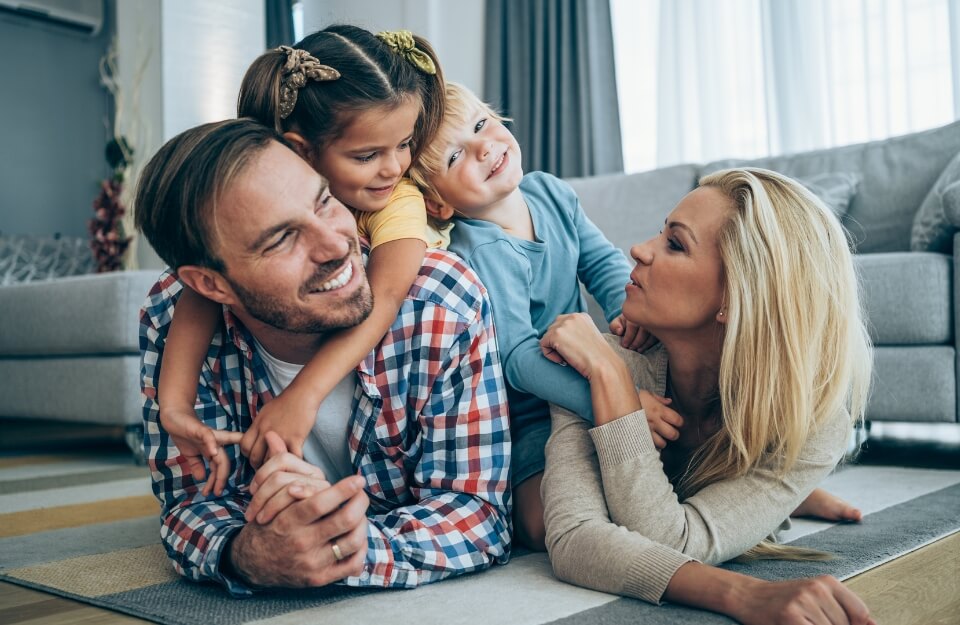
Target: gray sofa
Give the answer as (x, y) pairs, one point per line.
(894, 215)
(69, 350)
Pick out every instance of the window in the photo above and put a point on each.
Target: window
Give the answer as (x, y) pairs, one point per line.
(701, 80)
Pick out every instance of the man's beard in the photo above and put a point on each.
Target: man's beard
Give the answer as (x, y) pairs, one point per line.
(278, 313)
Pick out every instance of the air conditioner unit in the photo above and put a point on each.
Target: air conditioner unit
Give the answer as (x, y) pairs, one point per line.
(82, 15)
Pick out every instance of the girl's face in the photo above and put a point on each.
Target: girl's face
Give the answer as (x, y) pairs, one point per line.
(364, 164)
(678, 281)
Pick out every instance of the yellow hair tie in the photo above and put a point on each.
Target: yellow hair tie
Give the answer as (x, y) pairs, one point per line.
(402, 42)
(300, 67)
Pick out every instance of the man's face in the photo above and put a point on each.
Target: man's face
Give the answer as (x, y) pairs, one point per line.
(290, 248)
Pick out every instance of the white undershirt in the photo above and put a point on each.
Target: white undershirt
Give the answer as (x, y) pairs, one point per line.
(326, 445)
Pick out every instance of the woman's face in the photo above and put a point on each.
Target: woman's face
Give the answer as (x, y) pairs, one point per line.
(678, 281)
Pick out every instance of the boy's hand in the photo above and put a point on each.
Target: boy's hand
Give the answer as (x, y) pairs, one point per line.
(291, 415)
(663, 422)
(631, 335)
(198, 442)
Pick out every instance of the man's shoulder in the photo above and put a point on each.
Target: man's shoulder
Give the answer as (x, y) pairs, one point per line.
(161, 298)
(445, 280)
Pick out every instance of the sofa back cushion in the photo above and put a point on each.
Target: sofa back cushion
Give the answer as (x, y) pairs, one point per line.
(631, 208)
(895, 176)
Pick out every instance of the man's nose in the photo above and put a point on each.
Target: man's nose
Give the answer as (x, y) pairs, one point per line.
(327, 244)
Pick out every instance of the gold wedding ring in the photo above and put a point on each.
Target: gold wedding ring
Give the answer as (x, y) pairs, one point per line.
(336, 551)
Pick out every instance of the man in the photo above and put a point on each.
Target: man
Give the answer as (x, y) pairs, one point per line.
(425, 441)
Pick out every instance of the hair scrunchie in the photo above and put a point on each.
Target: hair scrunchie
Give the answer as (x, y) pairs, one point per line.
(300, 67)
(402, 42)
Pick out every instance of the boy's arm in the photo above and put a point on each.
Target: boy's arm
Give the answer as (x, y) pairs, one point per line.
(194, 528)
(507, 276)
(602, 268)
(392, 268)
(459, 517)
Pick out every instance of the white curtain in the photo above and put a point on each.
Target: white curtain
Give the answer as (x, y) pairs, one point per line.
(708, 79)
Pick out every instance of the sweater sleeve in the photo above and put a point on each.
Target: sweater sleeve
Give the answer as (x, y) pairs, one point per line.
(586, 548)
(722, 520)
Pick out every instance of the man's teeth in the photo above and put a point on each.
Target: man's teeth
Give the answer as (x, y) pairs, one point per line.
(339, 281)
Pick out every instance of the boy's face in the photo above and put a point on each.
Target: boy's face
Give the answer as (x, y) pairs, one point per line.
(480, 163)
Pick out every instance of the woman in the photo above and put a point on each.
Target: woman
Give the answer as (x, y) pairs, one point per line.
(766, 363)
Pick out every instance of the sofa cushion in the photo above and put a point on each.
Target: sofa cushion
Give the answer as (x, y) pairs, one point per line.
(631, 208)
(908, 297)
(951, 203)
(92, 314)
(896, 175)
(932, 229)
(835, 189)
(914, 383)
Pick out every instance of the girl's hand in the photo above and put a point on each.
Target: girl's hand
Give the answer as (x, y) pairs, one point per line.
(574, 340)
(291, 415)
(814, 601)
(631, 335)
(663, 422)
(198, 442)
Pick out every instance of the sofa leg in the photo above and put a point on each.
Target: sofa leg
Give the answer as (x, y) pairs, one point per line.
(858, 438)
(134, 438)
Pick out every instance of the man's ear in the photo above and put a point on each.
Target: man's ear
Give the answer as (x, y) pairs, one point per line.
(208, 283)
(435, 208)
(300, 145)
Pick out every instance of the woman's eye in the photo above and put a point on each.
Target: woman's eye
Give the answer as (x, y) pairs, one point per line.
(480, 125)
(366, 158)
(454, 157)
(406, 145)
(674, 245)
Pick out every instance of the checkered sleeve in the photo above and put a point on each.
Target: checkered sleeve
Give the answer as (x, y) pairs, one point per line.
(194, 528)
(457, 519)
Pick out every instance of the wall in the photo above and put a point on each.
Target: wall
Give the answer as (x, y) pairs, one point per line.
(455, 28)
(52, 132)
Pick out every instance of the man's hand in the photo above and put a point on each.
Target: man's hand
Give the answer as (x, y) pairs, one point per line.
(198, 442)
(290, 415)
(306, 532)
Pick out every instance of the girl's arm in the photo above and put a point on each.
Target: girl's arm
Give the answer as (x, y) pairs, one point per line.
(191, 330)
(391, 270)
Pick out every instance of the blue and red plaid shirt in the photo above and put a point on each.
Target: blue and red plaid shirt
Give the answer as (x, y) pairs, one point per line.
(429, 432)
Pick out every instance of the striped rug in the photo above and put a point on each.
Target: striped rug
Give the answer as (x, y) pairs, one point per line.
(86, 527)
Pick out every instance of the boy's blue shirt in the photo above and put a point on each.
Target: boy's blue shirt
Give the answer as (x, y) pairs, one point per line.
(532, 282)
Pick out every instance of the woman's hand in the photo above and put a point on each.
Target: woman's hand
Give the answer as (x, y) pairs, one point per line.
(574, 340)
(815, 601)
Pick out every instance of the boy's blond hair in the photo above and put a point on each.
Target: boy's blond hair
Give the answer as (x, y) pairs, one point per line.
(459, 102)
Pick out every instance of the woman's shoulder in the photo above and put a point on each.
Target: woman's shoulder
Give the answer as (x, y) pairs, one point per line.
(648, 369)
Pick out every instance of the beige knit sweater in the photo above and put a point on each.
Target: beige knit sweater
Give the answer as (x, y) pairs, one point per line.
(613, 520)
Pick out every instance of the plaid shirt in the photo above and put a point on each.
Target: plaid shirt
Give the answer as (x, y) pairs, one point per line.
(429, 432)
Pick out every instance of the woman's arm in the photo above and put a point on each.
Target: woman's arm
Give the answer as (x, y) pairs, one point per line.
(586, 548)
(722, 520)
(392, 268)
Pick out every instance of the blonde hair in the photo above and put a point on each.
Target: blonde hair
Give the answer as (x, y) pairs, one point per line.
(459, 103)
(796, 350)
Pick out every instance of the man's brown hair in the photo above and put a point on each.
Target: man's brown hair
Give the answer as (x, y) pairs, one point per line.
(179, 188)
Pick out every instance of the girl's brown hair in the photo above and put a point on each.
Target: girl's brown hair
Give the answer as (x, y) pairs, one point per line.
(372, 75)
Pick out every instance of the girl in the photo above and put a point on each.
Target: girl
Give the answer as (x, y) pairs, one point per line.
(358, 108)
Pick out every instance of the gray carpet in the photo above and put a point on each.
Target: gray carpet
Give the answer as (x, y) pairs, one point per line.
(120, 565)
